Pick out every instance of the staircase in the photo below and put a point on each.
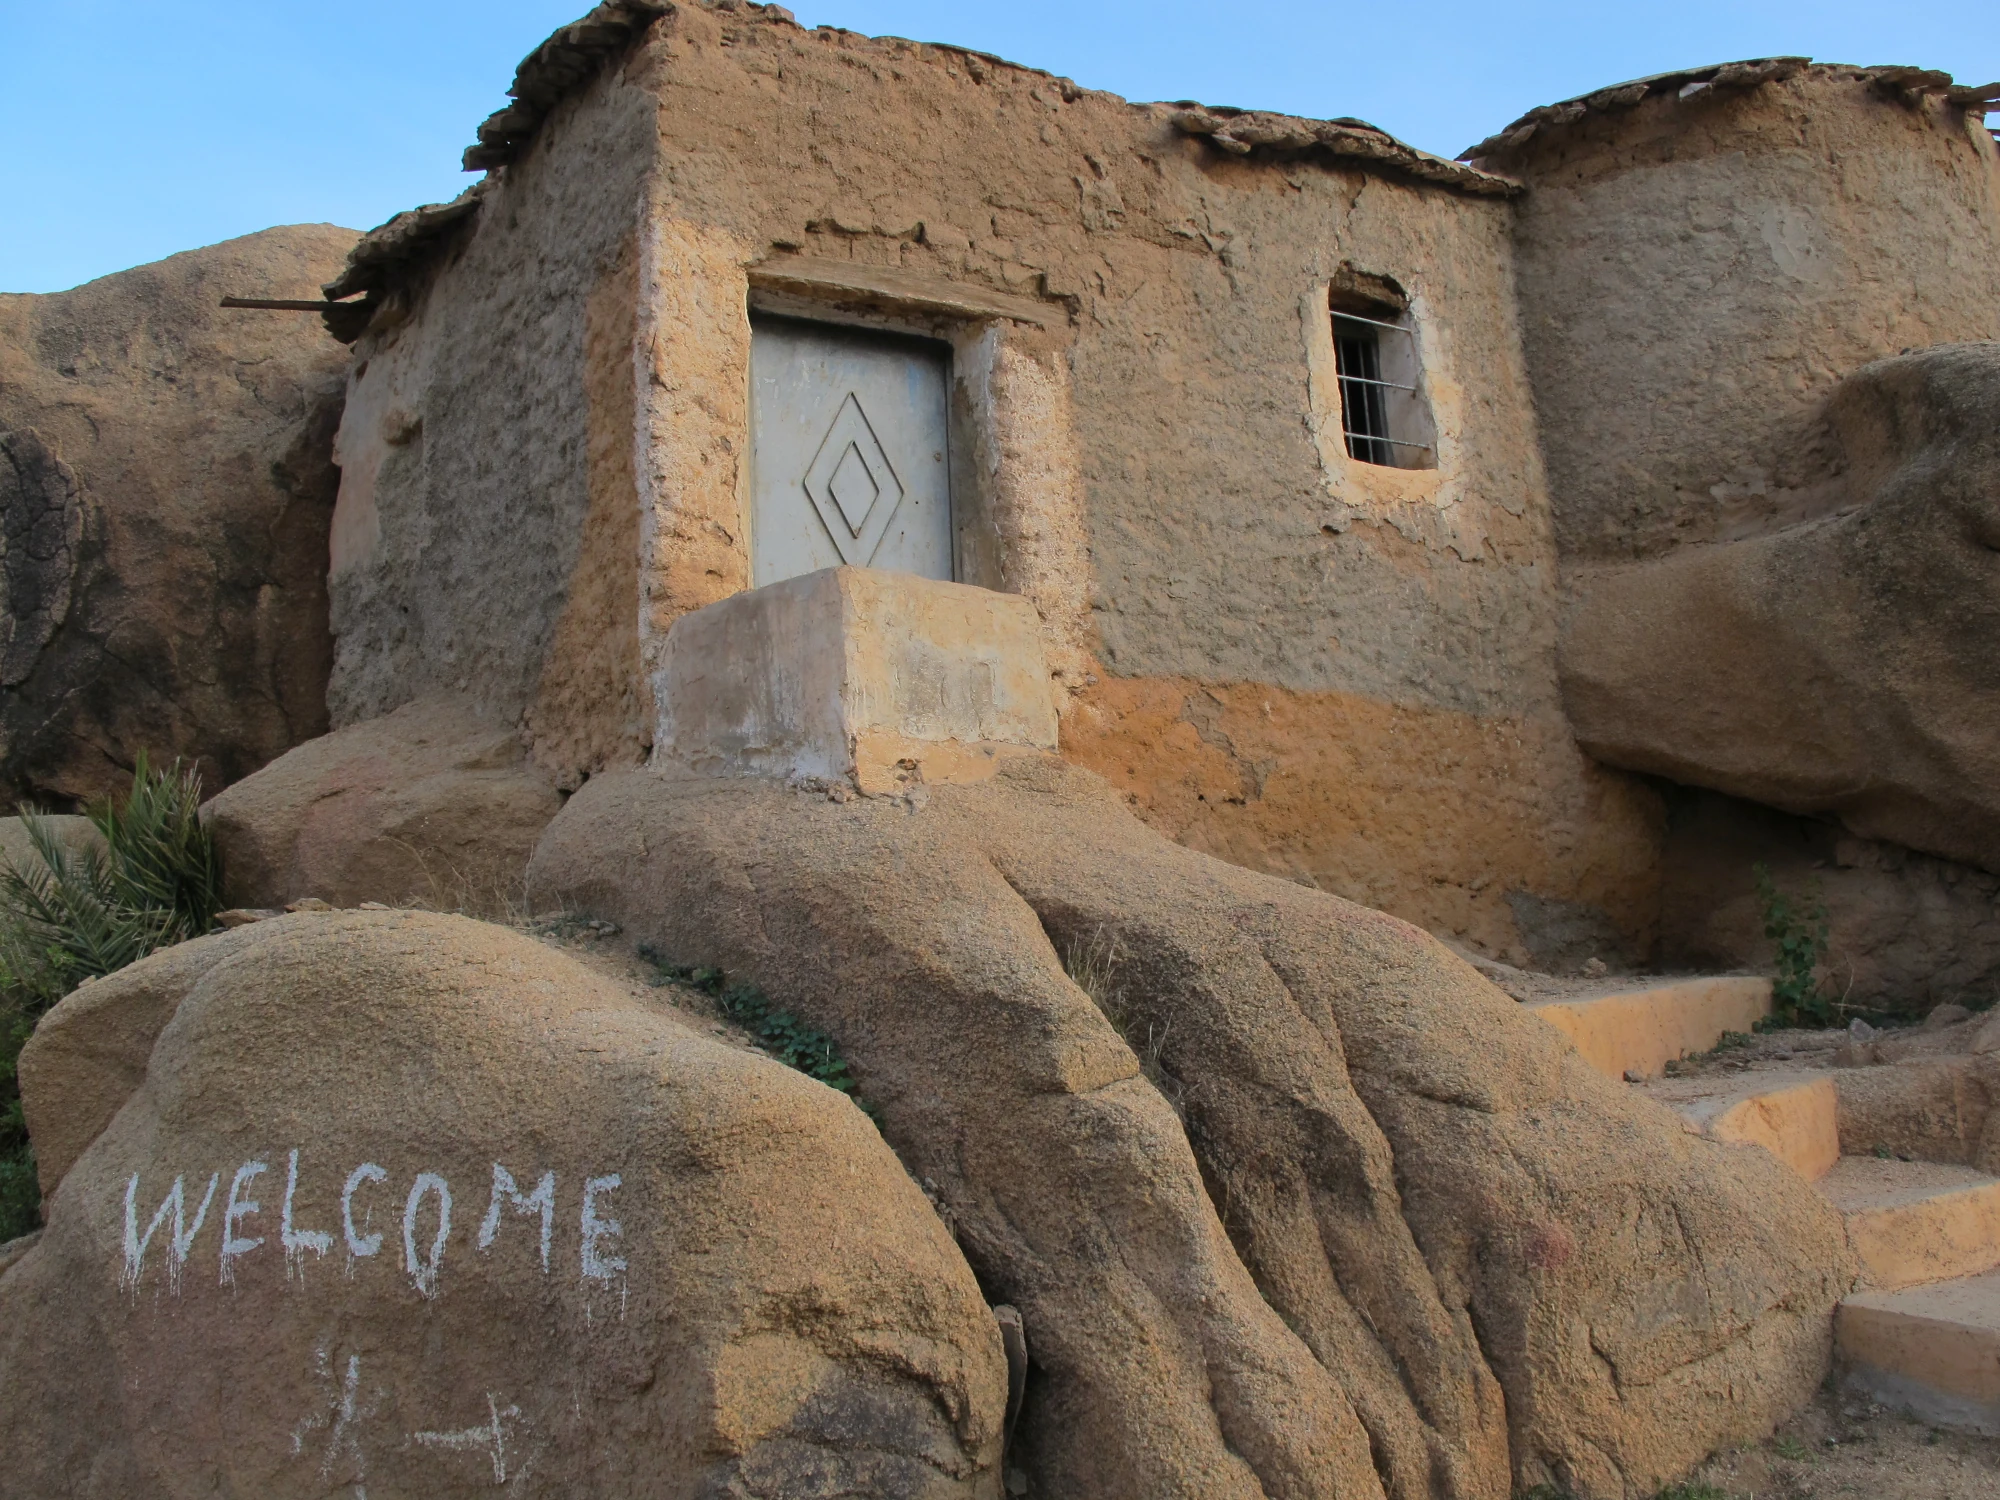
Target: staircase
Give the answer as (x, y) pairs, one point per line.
(1921, 1330)
(1639, 1031)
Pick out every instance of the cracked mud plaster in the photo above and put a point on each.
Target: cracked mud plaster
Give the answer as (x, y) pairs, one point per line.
(1184, 521)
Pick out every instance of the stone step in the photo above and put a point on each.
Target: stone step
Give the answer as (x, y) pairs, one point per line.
(1637, 1032)
(1912, 1222)
(1932, 1351)
(1793, 1115)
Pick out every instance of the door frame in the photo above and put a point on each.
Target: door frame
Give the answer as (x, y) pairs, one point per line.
(955, 433)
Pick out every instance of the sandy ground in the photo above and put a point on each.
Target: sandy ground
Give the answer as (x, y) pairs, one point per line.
(1839, 1447)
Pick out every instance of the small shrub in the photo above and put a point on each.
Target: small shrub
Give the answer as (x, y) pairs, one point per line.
(1787, 1446)
(1799, 928)
(788, 1039)
(1693, 1489)
(73, 915)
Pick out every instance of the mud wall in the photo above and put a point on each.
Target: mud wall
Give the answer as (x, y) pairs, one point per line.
(1338, 672)
(1718, 272)
(1695, 273)
(486, 538)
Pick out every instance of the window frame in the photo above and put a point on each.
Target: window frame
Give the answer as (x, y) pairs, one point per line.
(1384, 422)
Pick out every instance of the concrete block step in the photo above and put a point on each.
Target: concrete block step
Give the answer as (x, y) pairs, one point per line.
(1793, 1115)
(1638, 1031)
(1912, 1222)
(1932, 1351)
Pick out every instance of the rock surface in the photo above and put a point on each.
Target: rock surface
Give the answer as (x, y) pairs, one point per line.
(1292, 1202)
(1845, 665)
(167, 484)
(1906, 932)
(431, 805)
(701, 1272)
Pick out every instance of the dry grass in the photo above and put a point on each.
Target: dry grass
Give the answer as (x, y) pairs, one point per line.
(450, 890)
(1096, 965)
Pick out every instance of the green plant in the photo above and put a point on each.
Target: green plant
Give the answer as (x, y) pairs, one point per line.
(73, 913)
(1693, 1489)
(1799, 928)
(788, 1039)
(1787, 1446)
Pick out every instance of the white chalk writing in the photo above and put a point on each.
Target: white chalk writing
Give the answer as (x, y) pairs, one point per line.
(490, 1439)
(425, 1273)
(542, 1198)
(596, 1266)
(183, 1236)
(239, 1209)
(295, 1240)
(357, 1246)
(426, 1223)
(342, 1415)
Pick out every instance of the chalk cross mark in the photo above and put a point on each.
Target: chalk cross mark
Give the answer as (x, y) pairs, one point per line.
(491, 1438)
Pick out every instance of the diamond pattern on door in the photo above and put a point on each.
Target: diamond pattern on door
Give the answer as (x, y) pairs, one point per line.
(852, 484)
(850, 453)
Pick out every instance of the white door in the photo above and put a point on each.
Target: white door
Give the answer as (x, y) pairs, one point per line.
(848, 460)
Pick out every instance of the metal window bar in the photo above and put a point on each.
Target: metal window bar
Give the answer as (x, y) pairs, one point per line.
(1398, 442)
(1375, 323)
(1364, 412)
(1387, 385)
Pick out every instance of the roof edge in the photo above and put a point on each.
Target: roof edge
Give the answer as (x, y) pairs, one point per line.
(1247, 132)
(571, 57)
(410, 235)
(1906, 85)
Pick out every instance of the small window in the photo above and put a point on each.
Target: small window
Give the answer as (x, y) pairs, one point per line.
(1384, 418)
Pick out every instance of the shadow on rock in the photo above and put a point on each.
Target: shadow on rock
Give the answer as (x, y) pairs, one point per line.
(1299, 1205)
(1845, 664)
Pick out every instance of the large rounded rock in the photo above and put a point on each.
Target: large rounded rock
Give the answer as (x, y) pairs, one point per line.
(1849, 664)
(166, 486)
(412, 1205)
(432, 805)
(1292, 1202)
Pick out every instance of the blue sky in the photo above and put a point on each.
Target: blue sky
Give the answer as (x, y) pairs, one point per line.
(130, 129)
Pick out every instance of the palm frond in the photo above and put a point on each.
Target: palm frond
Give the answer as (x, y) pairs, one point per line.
(73, 913)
